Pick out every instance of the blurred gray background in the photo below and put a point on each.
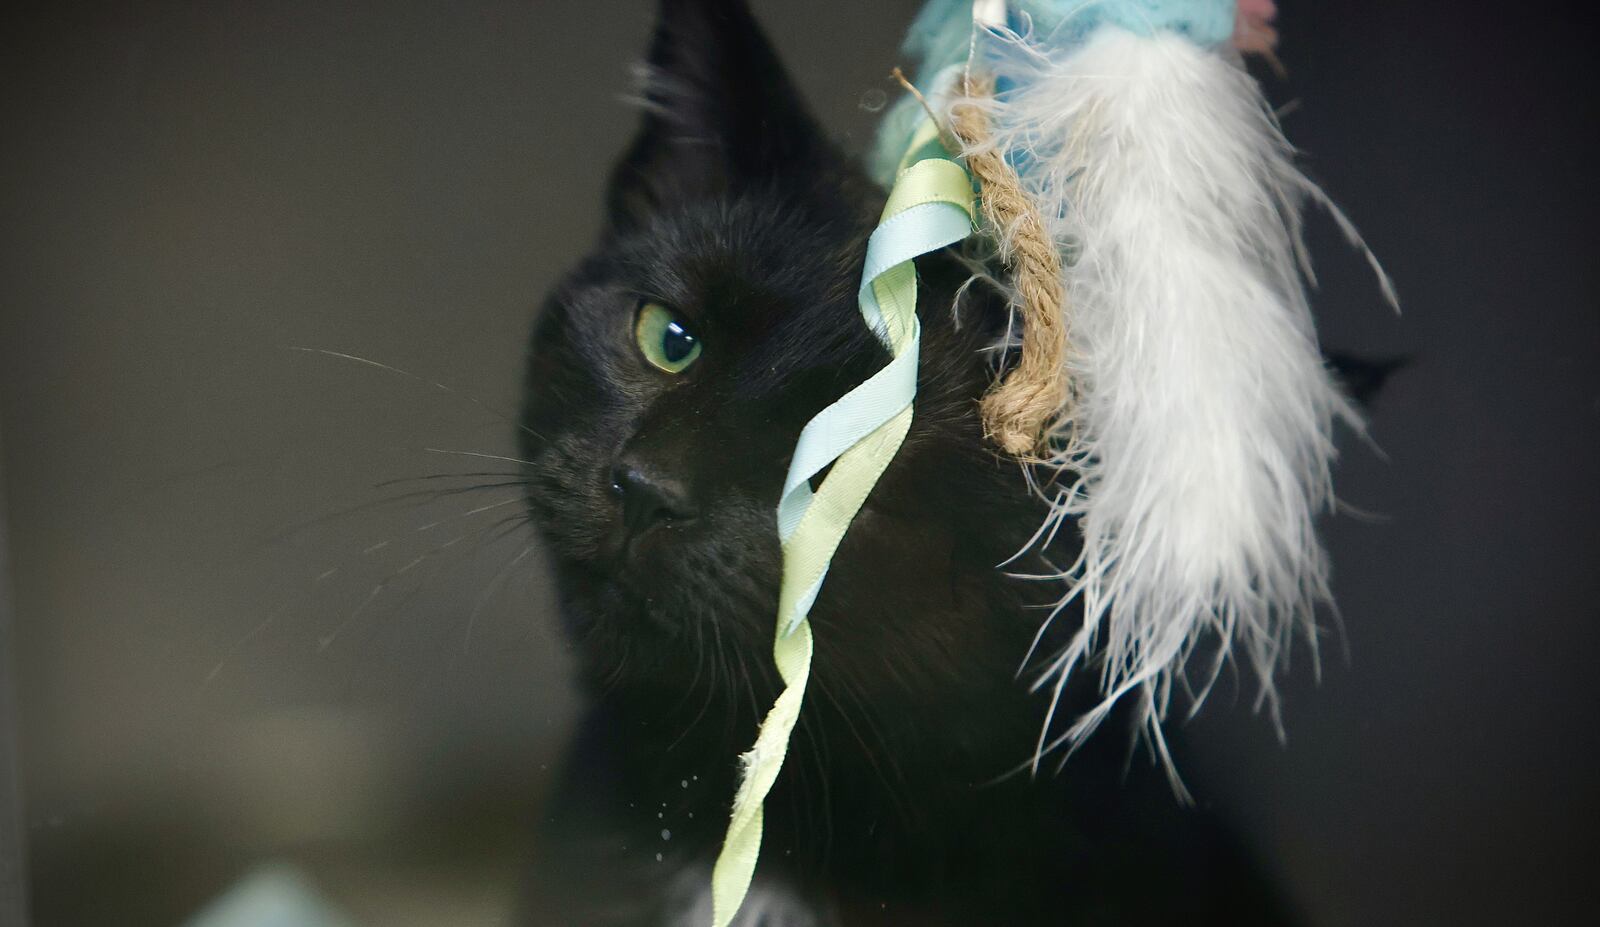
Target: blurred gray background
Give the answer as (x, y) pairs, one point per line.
(238, 639)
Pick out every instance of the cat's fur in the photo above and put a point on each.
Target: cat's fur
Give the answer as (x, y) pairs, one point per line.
(895, 807)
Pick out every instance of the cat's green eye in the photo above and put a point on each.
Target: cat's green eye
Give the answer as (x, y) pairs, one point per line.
(664, 339)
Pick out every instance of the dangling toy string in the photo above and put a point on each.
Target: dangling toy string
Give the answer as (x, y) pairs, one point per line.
(1201, 413)
(1021, 411)
(1128, 137)
(930, 207)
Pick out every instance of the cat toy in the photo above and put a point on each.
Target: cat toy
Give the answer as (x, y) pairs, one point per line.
(930, 207)
(1162, 384)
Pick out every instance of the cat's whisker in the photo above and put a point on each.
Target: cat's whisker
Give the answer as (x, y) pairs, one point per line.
(327, 640)
(419, 498)
(512, 476)
(489, 591)
(822, 757)
(481, 455)
(813, 764)
(468, 514)
(239, 645)
(711, 690)
(867, 750)
(726, 669)
(617, 671)
(458, 393)
(488, 535)
(749, 687)
(388, 541)
(287, 605)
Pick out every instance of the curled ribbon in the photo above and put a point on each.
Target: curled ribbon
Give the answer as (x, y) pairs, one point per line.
(929, 207)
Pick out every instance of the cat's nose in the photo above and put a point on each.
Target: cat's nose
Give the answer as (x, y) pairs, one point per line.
(650, 497)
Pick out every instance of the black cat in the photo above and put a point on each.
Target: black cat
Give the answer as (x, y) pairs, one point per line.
(669, 376)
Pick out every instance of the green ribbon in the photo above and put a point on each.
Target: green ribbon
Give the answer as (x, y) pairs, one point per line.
(929, 207)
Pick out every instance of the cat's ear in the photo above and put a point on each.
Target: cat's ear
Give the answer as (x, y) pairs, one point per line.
(720, 113)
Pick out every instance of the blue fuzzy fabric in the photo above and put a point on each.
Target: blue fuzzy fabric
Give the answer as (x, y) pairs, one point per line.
(941, 36)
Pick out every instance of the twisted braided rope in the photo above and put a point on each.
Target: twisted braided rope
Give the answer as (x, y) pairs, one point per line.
(1021, 411)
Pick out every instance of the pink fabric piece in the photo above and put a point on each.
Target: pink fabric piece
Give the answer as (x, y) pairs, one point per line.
(1252, 27)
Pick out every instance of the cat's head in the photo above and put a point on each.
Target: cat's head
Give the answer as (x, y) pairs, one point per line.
(671, 372)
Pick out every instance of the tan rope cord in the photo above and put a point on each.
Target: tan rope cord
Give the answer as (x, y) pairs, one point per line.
(1020, 411)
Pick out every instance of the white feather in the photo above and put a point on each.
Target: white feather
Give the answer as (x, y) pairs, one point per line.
(1201, 447)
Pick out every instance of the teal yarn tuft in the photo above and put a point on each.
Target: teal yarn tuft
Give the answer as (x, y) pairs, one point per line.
(942, 35)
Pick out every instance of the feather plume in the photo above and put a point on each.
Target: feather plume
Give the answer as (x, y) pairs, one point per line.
(1200, 450)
